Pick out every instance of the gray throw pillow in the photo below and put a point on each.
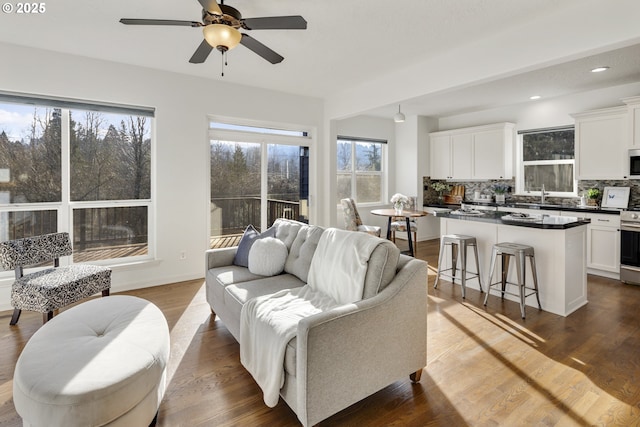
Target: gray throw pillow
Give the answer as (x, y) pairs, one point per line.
(250, 235)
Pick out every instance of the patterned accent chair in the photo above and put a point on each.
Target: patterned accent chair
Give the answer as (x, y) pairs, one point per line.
(50, 289)
(352, 221)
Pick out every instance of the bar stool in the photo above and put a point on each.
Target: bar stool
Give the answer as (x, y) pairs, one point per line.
(459, 244)
(519, 253)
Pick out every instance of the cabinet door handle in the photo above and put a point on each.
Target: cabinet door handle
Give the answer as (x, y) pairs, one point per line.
(603, 220)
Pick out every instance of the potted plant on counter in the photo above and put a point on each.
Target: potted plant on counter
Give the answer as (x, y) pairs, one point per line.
(592, 196)
(500, 190)
(440, 187)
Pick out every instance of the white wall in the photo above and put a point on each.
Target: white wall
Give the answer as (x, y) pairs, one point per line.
(412, 163)
(181, 165)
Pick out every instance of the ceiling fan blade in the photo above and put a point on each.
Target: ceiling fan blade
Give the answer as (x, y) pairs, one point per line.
(211, 6)
(260, 49)
(201, 53)
(160, 22)
(296, 22)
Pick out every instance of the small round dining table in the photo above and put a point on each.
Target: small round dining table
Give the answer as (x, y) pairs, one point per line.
(392, 213)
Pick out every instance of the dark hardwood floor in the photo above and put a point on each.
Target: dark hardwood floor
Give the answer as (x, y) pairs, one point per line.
(486, 366)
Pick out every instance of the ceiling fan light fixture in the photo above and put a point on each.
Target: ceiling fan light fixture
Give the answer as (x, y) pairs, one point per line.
(398, 117)
(221, 37)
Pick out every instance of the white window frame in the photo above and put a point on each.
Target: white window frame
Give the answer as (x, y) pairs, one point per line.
(520, 175)
(355, 173)
(232, 129)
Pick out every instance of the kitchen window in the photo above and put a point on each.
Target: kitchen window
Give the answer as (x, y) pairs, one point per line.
(547, 158)
(359, 164)
(78, 167)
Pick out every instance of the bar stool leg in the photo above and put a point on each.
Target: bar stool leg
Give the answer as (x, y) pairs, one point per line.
(475, 253)
(463, 267)
(520, 271)
(454, 261)
(492, 263)
(440, 257)
(534, 274)
(505, 271)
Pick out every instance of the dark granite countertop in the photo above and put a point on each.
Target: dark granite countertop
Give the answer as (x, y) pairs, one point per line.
(552, 222)
(552, 207)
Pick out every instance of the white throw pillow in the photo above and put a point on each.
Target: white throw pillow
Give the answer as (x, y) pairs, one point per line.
(267, 256)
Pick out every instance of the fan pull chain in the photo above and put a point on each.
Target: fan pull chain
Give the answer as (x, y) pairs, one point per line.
(224, 62)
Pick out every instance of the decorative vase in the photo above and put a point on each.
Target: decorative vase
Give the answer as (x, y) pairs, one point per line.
(592, 202)
(398, 209)
(500, 198)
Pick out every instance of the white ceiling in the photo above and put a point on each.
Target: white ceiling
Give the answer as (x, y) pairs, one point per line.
(347, 42)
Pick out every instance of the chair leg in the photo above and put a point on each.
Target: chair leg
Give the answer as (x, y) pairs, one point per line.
(440, 259)
(105, 293)
(16, 316)
(492, 268)
(415, 376)
(46, 317)
(415, 241)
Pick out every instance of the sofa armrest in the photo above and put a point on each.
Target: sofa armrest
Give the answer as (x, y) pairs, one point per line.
(219, 257)
(390, 328)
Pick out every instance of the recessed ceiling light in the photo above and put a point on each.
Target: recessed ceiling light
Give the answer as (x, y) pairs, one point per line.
(599, 69)
(535, 97)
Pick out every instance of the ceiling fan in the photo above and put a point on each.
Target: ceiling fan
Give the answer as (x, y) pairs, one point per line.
(221, 24)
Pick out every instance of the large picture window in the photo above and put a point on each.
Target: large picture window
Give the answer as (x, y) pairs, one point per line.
(359, 165)
(548, 159)
(80, 168)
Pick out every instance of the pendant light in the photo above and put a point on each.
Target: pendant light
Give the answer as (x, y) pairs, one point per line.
(398, 117)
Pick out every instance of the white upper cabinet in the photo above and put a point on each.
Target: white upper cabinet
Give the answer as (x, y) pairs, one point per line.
(601, 144)
(633, 120)
(481, 152)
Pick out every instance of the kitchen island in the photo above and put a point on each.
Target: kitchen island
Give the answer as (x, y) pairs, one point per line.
(560, 250)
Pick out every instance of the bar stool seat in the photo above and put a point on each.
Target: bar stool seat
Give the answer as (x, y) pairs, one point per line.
(459, 243)
(520, 253)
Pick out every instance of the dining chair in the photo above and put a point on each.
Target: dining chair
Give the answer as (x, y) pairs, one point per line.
(352, 220)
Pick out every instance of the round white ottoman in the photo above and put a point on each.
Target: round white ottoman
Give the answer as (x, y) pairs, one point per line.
(102, 362)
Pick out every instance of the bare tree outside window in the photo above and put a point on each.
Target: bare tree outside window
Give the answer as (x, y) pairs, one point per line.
(359, 170)
(108, 167)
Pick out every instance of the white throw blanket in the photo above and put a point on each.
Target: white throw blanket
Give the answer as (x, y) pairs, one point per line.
(339, 264)
(268, 323)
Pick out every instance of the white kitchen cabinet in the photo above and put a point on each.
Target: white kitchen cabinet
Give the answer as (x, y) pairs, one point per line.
(602, 141)
(480, 152)
(603, 243)
(633, 120)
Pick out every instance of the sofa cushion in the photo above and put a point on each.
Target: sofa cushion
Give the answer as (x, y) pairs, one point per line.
(381, 269)
(302, 250)
(230, 274)
(236, 295)
(267, 256)
(287, 230)
(248, 238)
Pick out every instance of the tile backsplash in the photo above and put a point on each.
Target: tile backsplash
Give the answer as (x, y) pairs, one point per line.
(486, 187)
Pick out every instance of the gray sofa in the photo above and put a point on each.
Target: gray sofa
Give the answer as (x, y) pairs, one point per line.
(345, 354)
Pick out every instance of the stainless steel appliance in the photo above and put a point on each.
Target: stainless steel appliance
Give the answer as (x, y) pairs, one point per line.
(634, 163)
(630, 246)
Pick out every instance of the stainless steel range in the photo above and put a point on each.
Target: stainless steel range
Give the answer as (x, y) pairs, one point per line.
(630, 246)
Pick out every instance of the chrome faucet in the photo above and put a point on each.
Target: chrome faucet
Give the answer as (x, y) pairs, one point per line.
(542, 194)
